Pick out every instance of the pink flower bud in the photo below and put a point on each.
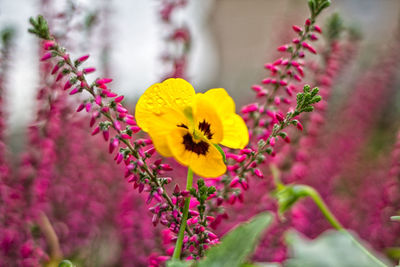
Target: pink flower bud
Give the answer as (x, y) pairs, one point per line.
(272, 141)
(135, 129)
(97, 100)
(96, 130)
(299, 126)
(130, 122)
(121, 109)
(125, 136)
(67, 85)
(103, 81)
(47, 45)
(88, 106)
(46, 56)
(297, 28)
(282, 82)
(119, 98)
(232, 199)
(266, 81)
(117, 125)
(55, 69)
(83, 58)
(80, 107)
(286, 139)
(277, 100)
(258, 173)
(59, 76)
(166, 167)
(250, 108)
(106, 135)
(317, 29)
(89, 70)
(308, 22)
(313, 37)
(113, 144)
(297, 77)
(234, 182)
(74, 91)
(283, 48)
(279, 117)
(256, 88)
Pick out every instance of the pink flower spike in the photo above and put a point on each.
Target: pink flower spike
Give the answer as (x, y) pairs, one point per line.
(283, 48)
(89, 70)
(83, 58)
(297, 28)
(46, 56)
(55, 69)
(119, 98)
(47, 45)
(96, 130)
(317, 29)
(74, 91)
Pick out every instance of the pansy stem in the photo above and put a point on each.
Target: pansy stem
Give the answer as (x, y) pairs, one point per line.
(316, 197)
(179, 241)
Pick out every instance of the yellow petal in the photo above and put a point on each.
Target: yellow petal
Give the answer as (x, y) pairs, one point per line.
(208, 165)
(161, 126)
(173, 94)
(235, 132)
(207, 119)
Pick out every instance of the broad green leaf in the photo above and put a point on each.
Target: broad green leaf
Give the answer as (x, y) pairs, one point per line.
(238, 244)
(176, 263)
(330, 249)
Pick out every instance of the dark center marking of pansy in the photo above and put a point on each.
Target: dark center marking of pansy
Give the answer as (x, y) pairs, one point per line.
(182, 126)
(200, 148)
(205, 128)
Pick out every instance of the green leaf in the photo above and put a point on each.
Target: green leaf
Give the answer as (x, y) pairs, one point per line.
(176, 263)
(238, 244)
(331, 249)
(66, 263)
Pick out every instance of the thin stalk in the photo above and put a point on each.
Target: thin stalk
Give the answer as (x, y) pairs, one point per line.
(179, 241)
(316, 197)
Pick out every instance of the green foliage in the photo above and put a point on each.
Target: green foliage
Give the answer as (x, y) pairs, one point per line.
(221, 152)
(334, 27)
(238, 244)
(306, 99)
(40, 27)
(331, 249)
(316, 6)
(66, 263)
(288, 195)
(7, 34)
(176, 263)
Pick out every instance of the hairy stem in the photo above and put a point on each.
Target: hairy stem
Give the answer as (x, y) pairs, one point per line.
(179, 241)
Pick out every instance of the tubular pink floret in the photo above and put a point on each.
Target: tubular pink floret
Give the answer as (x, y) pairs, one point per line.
(317, 29)
(103, 81)
(297, 28)
(89, 70)
(283, 48)
(46, 56)
(83, 58)
(47, 45)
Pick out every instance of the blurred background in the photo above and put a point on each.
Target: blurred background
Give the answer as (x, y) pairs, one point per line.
(345, 153)
(232, 39)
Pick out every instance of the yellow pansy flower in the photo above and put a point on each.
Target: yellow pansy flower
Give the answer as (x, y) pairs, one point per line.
(187, 126)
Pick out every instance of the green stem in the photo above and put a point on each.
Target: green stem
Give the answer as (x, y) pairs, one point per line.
(316, 197)
(179, 241)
